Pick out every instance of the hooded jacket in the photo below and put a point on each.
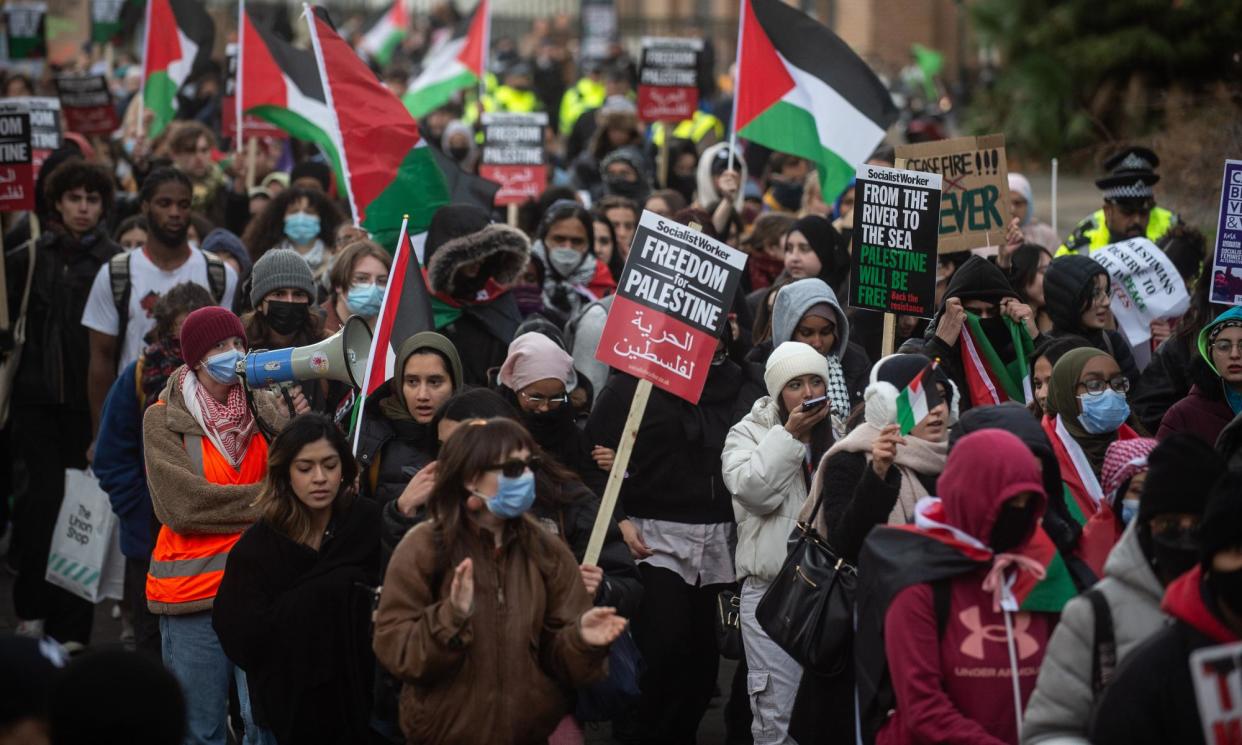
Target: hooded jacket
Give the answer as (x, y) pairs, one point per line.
(825, 241)
(475, 312)
(1060, 708)
(1164, 381)
(1204, 412)
(1068, 287)
(707, 196)
(1152, 698)
(954, 686)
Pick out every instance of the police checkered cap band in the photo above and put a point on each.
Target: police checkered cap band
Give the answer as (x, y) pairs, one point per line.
(1138, 190)
(1134, 162)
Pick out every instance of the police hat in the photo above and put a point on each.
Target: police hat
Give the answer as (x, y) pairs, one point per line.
(1131, 174)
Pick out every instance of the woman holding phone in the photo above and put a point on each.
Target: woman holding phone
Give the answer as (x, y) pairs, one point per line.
(767, 467)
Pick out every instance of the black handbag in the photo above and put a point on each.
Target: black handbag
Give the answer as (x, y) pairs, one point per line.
(729, 624)
(615, 694)
(808, 610)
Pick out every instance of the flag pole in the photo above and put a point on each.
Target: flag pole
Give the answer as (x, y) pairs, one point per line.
(142, 84)
(338, 140)
(487, 54)
(237, 74)
(737, 79)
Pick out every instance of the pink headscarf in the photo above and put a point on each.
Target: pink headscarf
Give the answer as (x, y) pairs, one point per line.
(534, 357)
(1122, 460)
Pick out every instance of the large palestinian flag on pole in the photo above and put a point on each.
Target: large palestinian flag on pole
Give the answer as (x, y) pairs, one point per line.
(388, 170)
(279, 83)
(801, 90)
(457, 62)
(383, 36)
(179, 34)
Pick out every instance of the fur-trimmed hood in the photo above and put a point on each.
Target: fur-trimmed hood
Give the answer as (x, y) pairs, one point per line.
(500, 251)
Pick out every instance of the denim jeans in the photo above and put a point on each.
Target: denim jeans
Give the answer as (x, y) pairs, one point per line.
(773, 678)
(193, 654)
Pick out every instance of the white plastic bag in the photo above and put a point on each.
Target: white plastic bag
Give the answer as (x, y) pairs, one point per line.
(86, 554)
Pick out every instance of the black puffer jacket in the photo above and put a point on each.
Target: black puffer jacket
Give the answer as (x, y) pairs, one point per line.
(1165, 381)
(1068, 288)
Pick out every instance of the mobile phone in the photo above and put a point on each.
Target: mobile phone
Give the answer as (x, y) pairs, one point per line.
(814, 403)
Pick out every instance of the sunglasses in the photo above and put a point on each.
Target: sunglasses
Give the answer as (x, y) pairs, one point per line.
(516, 467)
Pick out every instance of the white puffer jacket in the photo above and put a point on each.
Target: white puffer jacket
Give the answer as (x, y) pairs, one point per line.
(1060, 707)
(762, 468)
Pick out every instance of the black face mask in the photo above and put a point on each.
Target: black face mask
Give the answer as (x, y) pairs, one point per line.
(683, 185)
(1173, 553)
(1011, 527)
(625, 188)
(997, 333)
(548, 425)
(459, 153)
(788, 194)
(1227, 587)
(286, 318)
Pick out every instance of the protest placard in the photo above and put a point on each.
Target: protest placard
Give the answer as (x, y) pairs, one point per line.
(23, 29)
(598, 19)
(893, 261)
(16, 167)
(44, 122)
(252, 126)
(1227, 258)
(668, 89)
(106, 19)
(1217, 674)
(1145, 286)
(513, 156)
(67, 31)
(86, 104)
(974, 205)
(673, 298)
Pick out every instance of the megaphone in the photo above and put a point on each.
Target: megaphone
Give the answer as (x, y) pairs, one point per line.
(342, 357)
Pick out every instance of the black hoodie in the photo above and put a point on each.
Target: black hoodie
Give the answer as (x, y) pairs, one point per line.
(1068, 288)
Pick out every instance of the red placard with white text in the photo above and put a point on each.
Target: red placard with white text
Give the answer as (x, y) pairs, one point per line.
(1217, 675)
(87, 105)
(671, 304)
(16, 164)
(668, 89)
(513, 156)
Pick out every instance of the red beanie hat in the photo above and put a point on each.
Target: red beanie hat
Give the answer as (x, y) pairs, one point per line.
(205, 328)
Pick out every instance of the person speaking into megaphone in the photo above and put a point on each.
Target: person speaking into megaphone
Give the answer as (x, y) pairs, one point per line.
(282, 289)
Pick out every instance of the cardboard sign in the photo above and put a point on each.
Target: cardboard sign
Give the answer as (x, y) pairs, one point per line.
(67, 31)
(252, 126)
(44, 123)
(1217, 673)
(671, 304)
(668, 89)
(513, 156)
(1145, 286)
(23, 29)
(893, 261)
(1227, 258)
(974, 207)
(86, 104)
(598, 31)
(16, 167)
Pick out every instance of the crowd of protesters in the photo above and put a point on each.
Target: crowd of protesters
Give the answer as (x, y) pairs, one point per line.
(311, 567)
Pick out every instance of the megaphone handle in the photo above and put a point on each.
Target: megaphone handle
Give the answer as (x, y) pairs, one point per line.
(284, 393)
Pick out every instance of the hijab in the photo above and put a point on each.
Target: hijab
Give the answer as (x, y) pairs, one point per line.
(393, 406)
(1228, 319)
(1063, 401)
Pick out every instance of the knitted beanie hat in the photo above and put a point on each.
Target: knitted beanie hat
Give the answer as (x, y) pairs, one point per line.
(788, 361)
(278, 269)
(205, 328)
(892, 374)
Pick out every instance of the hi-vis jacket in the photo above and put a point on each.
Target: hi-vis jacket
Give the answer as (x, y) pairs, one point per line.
(202, 502)
(1092, 233)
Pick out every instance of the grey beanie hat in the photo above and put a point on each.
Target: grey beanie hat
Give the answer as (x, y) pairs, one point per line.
(277, 269)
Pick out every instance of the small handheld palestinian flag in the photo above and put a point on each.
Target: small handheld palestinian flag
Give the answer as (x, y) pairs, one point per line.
(458, 61)
(989, 380)
(382, 37)
(916, 399)
(179, 36)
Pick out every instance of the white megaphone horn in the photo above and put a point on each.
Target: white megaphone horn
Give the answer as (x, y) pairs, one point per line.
(341, 357)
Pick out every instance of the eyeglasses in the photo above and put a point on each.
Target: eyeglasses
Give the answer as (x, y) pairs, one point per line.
(1095, 386)
(515, 467)
(1224, 346)
(537, 400)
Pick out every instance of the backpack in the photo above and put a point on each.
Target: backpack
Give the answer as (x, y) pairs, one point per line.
(1103, 643)
(122, 286)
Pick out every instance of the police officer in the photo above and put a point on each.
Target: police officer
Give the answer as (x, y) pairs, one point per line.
(1129, 210)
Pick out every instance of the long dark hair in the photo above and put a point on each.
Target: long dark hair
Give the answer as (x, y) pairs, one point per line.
(475, 446)
(268, 227)
(281, 508)
(1026, 260)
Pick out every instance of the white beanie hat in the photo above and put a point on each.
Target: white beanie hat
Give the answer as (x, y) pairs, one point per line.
(788, 361)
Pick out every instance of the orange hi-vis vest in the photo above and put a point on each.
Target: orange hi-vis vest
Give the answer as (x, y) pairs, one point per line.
(188, 568)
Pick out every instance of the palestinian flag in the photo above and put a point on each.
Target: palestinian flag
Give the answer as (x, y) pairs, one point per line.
(457, 62)
(179, 35)
(989, 380)
(801, 90)
(406, 310)
(914, 401)
(388, 169)
(279, 83)
(382, 38)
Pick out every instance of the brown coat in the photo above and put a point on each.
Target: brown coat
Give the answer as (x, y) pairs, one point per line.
(503, 675)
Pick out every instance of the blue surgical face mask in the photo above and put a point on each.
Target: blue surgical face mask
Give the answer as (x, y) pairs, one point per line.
(301, 228)
(222, 367)
(514, 497)
(365, 300)
(1129, 510)
(1104, 412)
